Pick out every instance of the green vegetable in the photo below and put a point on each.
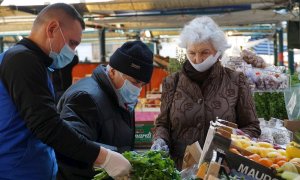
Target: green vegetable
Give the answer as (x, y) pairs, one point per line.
(175, 64)
(150, 165)
(270, 105)
(289, 175)
(297, 137)
(102, 174)
(295, 79)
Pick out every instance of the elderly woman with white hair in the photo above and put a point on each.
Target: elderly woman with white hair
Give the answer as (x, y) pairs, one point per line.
(202, 91)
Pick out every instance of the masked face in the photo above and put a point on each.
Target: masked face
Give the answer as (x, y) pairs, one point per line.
(207, 63)
(129, 93)
(64, 57)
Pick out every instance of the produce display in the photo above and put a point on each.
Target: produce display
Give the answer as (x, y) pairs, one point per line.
(242, 157)
(268, 79)
(270, 104)
(260, 75)
(150, 165)
(283, 161)
(253, 59)
(228, 153)
(152, 100)
(274, 132)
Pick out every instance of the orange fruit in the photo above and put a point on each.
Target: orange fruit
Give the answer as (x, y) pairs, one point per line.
(281, 162)
(275, 166)
(234, 150)
(265, 162)
(280, 158)
(254, 157)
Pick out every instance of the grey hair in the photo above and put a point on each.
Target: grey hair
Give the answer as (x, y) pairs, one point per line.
(202, 29)
(108, 67)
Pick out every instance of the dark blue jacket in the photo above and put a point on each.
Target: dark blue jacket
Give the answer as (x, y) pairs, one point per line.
(16, 149)
(91, 106)
(29, 123)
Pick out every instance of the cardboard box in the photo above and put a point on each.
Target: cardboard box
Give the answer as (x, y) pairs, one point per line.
(247, 168)
(143, 135)
(237, 164)
(292, 125)
(144, 128)
(192, 155)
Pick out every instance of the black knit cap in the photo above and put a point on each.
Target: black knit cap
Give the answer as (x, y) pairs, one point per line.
(134, 59)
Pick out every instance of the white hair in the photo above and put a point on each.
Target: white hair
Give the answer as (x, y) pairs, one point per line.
(203, 29)
(108, 67)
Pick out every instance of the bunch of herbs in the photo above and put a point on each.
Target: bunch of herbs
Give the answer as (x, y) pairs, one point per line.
(149, 165)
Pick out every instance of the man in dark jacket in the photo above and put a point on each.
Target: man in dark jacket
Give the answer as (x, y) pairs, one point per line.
(101, 107)
(62, 78)
(29, 124)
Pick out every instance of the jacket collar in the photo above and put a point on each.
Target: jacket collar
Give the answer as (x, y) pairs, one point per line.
(212, 73)
(208, 87)
(216, 71)
(100, 75)
(34, 47)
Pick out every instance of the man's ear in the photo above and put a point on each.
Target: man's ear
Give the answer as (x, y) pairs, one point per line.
(112, 73)
(51, 28)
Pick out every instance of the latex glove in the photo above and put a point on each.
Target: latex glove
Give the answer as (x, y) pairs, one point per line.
(116, 164)
(240, 132)
(160, 144)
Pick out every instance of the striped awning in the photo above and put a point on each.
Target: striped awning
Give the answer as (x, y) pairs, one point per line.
(266, 47)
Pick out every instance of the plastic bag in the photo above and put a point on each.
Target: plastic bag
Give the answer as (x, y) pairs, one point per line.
(292, 101)
(266, 132)
(253, 59)
(189, 173)
(281, 135)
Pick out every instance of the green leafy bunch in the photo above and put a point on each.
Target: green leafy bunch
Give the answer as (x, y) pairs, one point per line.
(101, 174)
(297, 137)
(151, 165)
(175, 64)
(269, 105)
(295, 80)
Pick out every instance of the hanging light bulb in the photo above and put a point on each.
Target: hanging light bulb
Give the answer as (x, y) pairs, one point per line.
(148, 34)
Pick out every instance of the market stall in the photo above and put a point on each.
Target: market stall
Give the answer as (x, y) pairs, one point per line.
(226, 154)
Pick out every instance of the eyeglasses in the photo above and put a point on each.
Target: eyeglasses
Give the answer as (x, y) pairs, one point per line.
(134, 81)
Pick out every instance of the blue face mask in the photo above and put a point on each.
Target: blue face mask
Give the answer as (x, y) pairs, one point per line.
(130, 93)
(64, 57)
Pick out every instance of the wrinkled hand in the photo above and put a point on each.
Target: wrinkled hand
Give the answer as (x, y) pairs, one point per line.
(160, 144)
(116, 164)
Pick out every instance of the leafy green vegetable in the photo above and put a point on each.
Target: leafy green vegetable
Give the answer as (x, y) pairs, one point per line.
(102, 174)
(175, 64)
(270, 105)
(297, 137)
(150, 165)
(295, 79)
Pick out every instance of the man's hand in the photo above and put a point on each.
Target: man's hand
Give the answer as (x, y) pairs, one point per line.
(113, 163)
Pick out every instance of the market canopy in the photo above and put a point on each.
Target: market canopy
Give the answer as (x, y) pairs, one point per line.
(160, 16)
